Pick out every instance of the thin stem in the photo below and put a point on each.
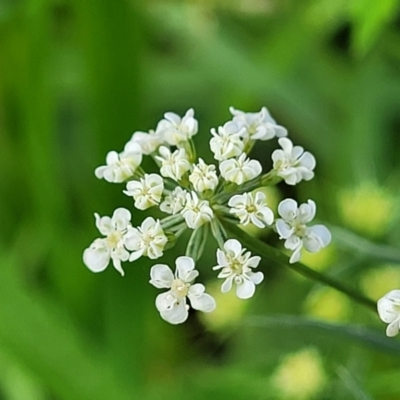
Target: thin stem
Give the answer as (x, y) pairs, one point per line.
(270, 253)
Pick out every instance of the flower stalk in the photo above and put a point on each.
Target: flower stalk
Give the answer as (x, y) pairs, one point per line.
(269, 253)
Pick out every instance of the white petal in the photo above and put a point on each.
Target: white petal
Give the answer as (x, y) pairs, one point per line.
(221, 259)
(307, 160)
(267, 215)
(203, 302)
(117, 265)
(161, 276)
(323, 233)
(280, 131)
(246, 289)
(287, 209)
(136, 254)
(307, 212)
(293, 242)
(283, 229)
(286, 145)
(112, 157)
(295, 256)
(121, 218)
(312, 243)
(104, 224)
(97, 256)
(147, 224)
(197, 289)
(256, 277)
(184, 265)
(227, 285)
(393, 328)
(234, 246)
(253, 262)
(177, 314)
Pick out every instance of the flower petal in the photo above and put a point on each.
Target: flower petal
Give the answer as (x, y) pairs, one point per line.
(287, 209)
(177, 314)
(246, 289)
(203, 302)
(393, 328)
(227, 284)
(184, 265)
(97, 256)
(161, 276)
(121, 218)
(233, 246)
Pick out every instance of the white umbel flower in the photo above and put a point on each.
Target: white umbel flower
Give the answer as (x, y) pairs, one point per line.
(149, 142)
(259, 125)
(173, 165)
(292, 227)
(147, 192)
(120, 166)
(249, 208)
(240, 170)
(227, 143)
(98, 255)
(174, 202)
(236, 267)
(389, 311)
(292, 163)
(203, 177)
(147, 240)
(196, 212)
(172, 304)
(174, 129)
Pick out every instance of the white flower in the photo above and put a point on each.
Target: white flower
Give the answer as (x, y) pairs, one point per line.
(203, 177)
(240, 170)
(147, 240)
(174, 202)
(175, 130)
(293, 163)
(292, 227)
(251, 209)
(389, 311)
(148, 142)
(258, 125)
(196, 212)
(120, 166)
(235, 265)
(173, 165)
(227, 143)
(98, 255)
(146, 192)
(172, 304)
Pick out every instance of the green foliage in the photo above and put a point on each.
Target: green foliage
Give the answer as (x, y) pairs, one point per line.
(77, 78)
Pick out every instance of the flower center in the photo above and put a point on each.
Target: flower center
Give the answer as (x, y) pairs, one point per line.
(180, 288)
(113, 239)
(300, 230)
(251, 208)
(236, 267)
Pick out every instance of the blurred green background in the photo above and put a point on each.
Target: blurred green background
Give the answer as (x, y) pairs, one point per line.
(77, 78)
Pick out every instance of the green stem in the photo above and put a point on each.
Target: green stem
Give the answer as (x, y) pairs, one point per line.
(277, 257)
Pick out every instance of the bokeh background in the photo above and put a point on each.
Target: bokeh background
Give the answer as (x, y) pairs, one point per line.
(77, 78)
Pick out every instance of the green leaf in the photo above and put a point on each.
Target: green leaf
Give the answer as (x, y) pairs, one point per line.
(369, 19)
(351, 384)
(354, 333)
(379, 252)
(41, 336)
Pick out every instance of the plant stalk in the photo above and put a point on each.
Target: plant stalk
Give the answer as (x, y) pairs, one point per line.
(277, 257)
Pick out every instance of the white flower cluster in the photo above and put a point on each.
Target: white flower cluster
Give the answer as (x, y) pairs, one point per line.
(196, 196)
